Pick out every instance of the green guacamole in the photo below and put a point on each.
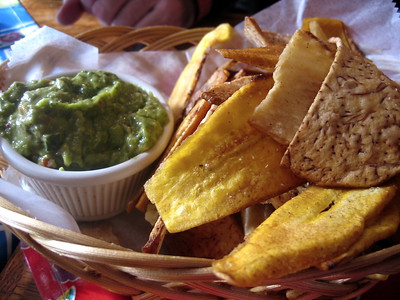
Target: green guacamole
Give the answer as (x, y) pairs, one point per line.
(90, 121)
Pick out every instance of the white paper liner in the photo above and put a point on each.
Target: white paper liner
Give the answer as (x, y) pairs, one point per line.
(374, 26)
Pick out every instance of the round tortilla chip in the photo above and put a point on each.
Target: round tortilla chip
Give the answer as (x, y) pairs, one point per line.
(350, 136)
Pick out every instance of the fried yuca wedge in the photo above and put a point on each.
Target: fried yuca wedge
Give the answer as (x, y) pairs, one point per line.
(212, 240)
(262, 38)
(225, 166)
(221, 92)
(262, 57)
(189, 77)
(303, 232)
(299, 73)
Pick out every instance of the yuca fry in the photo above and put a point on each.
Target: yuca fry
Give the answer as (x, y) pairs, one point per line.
(299, 74)
(353, 127)
(189, 77)
(156, 238)
(211, 240)
(261, 38)
(384, 225)
(221, 92)
(225, 166)
(220, 75)
(263, 57)
(303, 233)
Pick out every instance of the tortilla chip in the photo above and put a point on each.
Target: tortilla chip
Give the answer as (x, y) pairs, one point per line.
(299, 74)
(350, 135)
(326, 28)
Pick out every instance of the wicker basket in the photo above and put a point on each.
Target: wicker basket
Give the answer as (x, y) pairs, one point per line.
(150, 276)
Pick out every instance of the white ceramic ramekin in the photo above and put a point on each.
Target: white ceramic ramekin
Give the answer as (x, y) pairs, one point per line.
(95, 194)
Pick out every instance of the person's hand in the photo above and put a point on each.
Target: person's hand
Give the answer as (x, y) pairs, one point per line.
(135, 13)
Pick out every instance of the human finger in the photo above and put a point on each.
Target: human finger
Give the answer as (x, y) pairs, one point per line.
(133, 11)
(70, 12)
(104, 10)
(169, 12)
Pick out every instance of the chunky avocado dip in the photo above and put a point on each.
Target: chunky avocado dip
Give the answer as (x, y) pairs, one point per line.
(90, 121)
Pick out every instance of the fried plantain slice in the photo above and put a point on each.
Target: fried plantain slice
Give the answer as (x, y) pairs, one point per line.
(383, 226)
(225, 166)
(303, 232)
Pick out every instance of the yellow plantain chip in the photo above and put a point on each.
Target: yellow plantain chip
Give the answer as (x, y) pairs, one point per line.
(299, 74)
(352, 125)
(225, 166)
(384, 225)
(189, 77)
(263, 57)
(313, 227)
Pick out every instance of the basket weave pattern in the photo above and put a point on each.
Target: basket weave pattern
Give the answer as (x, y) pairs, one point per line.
(150, 276)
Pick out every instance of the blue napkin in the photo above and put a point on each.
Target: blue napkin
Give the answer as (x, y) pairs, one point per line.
(15, 23)
(8, 242)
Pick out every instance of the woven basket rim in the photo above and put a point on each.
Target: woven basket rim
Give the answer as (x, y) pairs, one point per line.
(126, 271)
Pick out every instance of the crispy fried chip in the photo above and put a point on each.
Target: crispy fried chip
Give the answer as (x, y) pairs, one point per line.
(384, 225)
(156, 238)
(263, 57)
(225, 166)
(303, 233)
(188, 125)
(221, 92)
(189, 77)
(212, 240)
(299, 73)
(262, 38)
(352, 125)
(220, 75)
(325, 28)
